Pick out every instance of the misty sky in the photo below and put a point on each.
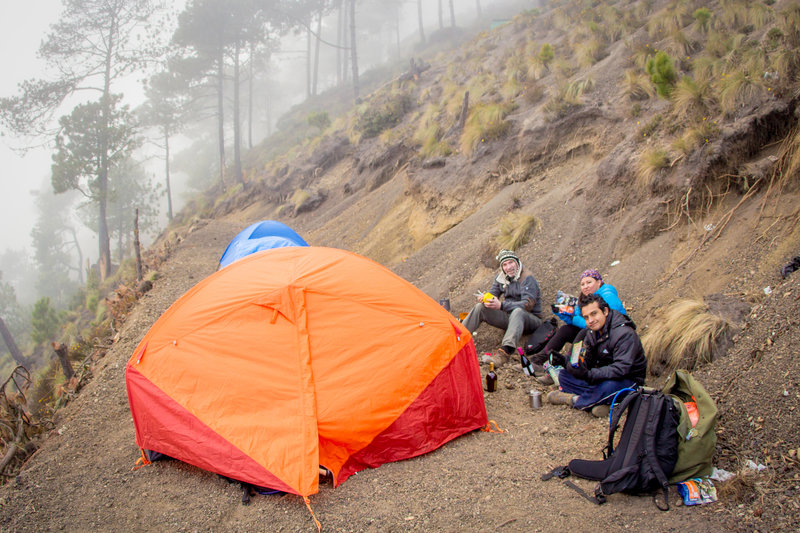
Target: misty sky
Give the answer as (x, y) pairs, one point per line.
(22, 27)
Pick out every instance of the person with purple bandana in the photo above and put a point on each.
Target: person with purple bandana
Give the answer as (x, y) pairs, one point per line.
(574, 327)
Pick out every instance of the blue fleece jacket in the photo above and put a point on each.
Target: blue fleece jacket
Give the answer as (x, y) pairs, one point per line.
(609, 294)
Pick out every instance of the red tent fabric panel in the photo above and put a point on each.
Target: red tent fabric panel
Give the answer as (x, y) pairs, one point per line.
(189, 440)
(449, 407)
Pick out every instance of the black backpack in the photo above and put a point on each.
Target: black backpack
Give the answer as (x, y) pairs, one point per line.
(537, 340)
(646, 453)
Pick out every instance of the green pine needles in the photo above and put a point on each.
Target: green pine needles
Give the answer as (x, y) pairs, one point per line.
(662, 73)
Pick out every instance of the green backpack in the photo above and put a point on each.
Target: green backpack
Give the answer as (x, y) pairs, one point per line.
(695, 444)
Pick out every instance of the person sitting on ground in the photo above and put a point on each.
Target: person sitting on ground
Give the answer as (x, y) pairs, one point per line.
(520, 311)
(573, 330)
(613, 360)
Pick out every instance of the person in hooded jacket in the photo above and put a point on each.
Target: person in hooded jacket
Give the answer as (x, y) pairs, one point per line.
(613, 360)
(574, 328)
(518, 313)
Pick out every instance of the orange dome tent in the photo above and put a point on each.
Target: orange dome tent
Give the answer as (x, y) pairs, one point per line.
(298, 357)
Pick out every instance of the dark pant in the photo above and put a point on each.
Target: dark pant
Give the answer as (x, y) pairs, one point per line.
(563, 335)
(594, 393)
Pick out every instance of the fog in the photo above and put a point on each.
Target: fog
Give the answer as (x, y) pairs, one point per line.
(26, 161)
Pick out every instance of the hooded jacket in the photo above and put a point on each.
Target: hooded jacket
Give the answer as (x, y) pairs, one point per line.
(517, 291)
(609, 294)
(615, 352)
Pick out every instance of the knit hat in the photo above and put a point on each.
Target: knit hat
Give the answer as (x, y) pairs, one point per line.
(504, 255)
(591, 273)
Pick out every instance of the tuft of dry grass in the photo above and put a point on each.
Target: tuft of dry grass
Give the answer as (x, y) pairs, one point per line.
(637, 86)
(650, 162)
(698, 135)
(515, 229)
(692, 98)
(738, 89)
(485, 122)
(684, 336)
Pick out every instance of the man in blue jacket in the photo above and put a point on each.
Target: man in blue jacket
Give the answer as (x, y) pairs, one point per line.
(613, 360)
(518, 313)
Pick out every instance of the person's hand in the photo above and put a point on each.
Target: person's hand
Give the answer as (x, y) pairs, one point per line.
(580, 371)
(494, 303)
(565, 317)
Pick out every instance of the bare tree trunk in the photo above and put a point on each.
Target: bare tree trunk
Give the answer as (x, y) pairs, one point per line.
(346, 44)
(63, 358)
(353, 53)
(419, 15)
(251, 73)
(237, 127)
(464, 109)
(221, 118)
(452, 15)
(441, 22)
(339, 43)
(80, 253)
(478, 5)
(12, 346)
(316, 55)
(136, 246)
(308, 58)
(166, 171)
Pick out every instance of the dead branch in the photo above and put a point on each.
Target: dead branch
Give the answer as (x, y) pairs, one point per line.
(11, 452)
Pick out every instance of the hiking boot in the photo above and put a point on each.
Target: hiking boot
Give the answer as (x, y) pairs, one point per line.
(538, 370)
(601, 410)
(557, 397)
(545, 379)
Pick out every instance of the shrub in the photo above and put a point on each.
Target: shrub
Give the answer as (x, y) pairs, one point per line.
(662, 73)
(44, 321)
(374, 119)
(650, 162)
(515, 229)
(685, 336)
(319, 119)
(546, 54)
(702, 18)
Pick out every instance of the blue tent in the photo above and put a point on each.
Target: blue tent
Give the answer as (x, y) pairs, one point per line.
(263, 235)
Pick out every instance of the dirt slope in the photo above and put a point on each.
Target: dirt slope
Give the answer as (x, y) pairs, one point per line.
(81, 478)
(436, 226)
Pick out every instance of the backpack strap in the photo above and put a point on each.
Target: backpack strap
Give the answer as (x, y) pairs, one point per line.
(657, 404)
(613, 424)
(597, 500)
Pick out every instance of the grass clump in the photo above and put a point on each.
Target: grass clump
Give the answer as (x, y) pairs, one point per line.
(651, 161)
(698, 135)
(685, 337)
(515, 230)
(692, 98)
(486, 122)
(637, 86)
(567, 96)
